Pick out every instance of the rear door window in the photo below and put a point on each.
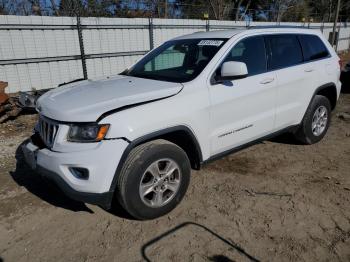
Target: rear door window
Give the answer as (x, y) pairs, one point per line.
(285, 51)
(313, 47)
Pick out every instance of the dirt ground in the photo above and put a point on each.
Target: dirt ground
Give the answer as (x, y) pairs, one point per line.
(276, 201)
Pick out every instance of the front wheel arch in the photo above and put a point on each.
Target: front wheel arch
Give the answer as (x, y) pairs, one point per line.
(181, 135)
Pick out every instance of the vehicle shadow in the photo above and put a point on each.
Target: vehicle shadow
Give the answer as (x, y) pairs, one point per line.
(119, 211)
(285, 138)
(43, 188)
(220, 258)
(345, 88)
(345, 80)
(215, 258)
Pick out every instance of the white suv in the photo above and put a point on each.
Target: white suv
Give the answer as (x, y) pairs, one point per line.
(135, 137)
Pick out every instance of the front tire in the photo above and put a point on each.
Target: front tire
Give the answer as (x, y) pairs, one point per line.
(154, 179)
(315, 122)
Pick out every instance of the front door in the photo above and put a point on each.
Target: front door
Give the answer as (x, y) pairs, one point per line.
(243, 110)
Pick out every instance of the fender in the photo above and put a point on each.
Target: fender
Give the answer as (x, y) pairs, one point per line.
(319, 89)
(323, 87)
(150, 137)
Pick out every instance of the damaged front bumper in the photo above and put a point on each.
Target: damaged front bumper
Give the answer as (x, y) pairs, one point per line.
(100, 164)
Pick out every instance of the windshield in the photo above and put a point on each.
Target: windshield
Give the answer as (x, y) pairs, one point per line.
(177, 61)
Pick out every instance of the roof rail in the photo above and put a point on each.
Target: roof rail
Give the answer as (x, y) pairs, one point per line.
(277, 26)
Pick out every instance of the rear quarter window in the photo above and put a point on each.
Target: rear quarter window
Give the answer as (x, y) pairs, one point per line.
(313, 47)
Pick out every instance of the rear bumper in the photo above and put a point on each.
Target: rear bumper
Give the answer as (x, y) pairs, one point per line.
(103, 200)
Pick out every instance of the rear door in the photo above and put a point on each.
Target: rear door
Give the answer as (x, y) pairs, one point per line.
(243, 110)
(293, 77)
(316, 63)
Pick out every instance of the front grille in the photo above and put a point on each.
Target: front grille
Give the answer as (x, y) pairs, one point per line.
(47, 130)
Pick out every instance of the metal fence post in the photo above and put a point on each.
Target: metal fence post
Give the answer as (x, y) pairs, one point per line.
(337, 39)
(150, 31)
(151, 40)
(207, 25)
(81, 45)
(248, 21)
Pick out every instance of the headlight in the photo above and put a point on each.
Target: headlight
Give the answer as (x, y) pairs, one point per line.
(87, 133)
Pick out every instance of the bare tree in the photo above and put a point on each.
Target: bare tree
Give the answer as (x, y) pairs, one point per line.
(54, 7)
(238, 9)
(245, 9)
(282, 6)
(223, 8)
(3, 8)
(218, 7)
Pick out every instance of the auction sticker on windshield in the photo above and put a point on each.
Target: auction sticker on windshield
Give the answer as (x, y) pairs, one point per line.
(211, 42)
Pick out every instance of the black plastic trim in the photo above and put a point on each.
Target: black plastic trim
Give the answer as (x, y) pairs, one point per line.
(324, 86)
(37, 141)
(149, 137)
(320, 88)
(101, 199)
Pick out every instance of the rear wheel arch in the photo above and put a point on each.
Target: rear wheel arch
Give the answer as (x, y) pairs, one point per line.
(317, 116)
(329, 91)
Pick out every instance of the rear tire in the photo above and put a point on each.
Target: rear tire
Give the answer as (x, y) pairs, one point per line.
(154, 179)
(315, 122)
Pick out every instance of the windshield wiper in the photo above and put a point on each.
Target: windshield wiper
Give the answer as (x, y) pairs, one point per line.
(73, 81)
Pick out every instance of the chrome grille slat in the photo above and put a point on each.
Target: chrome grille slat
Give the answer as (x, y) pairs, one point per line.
(48, 130)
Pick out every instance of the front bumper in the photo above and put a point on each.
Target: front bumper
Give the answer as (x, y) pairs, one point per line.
(103, 200)
(101, 162)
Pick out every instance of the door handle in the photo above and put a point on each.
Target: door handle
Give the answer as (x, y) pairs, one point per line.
(308, 70)
(266, 81)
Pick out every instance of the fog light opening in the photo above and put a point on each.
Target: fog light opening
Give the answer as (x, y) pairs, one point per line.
(80, 172)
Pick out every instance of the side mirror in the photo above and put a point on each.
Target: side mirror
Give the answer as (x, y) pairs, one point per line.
(232, 70)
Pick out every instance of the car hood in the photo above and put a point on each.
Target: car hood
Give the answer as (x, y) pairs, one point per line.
(87, 100)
